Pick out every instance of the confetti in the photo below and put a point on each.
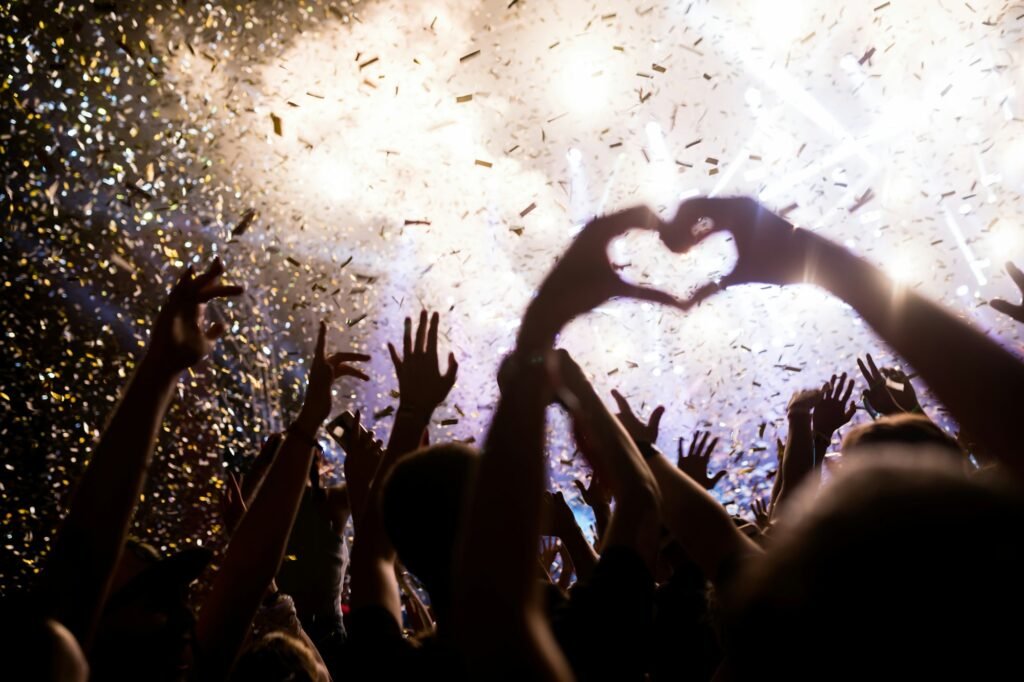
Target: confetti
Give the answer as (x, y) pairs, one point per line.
(134, 142)
(247, 219)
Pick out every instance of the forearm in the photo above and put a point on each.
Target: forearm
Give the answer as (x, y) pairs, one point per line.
(253, 556)
(568, 566)
(92, 536)
(373, 557)
(373, 566)
(406, 435)
(358, 497)
(701, 525)
(821, 443)
(498, 610)
(978, 381)
(505, 511)
(778, 485)
(798, 460)
(618, 462)
(583, 556)
(602, 517)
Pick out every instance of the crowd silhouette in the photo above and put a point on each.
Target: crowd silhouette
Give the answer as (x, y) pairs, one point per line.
(896, 560)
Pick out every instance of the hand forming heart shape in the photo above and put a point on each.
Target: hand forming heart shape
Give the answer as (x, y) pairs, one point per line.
(769, 249)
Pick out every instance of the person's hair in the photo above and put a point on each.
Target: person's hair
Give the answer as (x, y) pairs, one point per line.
(905, 568)
(422, 505)
(901, 430)
(276, 657)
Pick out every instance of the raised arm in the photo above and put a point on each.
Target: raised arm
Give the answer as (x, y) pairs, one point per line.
(614, 456)
(834, 410)
(257, 546)
(89, 544)
(363, 453)
(498, 609)
(422, 387)
(798, 459)
(701, 525)
(499, 616)
(978, 380)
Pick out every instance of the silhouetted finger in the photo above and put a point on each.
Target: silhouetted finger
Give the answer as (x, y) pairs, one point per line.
(219, 291)
(432, 335)
(421, 333)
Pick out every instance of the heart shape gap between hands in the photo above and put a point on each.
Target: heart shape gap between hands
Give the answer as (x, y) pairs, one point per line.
(639, 257)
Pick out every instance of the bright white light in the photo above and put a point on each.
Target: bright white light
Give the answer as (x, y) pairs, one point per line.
(1005, 241)
(753, 98)
(779, 23)
(656, 141)
(902, 268)
(583, 87)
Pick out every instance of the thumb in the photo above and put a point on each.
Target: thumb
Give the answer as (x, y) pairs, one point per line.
(453, 368)
(655, 422)
(717, 477)
(647, 294)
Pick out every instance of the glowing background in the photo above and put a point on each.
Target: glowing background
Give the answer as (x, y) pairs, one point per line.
(137, 140)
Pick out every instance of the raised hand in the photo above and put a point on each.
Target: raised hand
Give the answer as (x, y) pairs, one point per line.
(583, 278)
(762, 516)
(549, 548)
(595, 495)
(889, 390)
(181, 335)
(769, 249)
(832, 412)
(421, 385)
(363, 453)
(803, 402)
(637, 430)
(323, 372)
(1005, 307)
(695, 465)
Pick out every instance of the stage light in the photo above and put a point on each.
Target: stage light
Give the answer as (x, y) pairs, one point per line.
(583, 86)
(1005, 241)
(753, 98)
